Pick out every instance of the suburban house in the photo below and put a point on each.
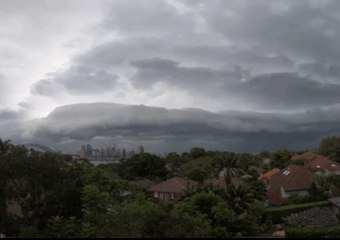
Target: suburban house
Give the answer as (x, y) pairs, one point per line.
(293, 180)
(266, 177)
(296, 180)
(306, 157)
(323, 166)
(172, 189)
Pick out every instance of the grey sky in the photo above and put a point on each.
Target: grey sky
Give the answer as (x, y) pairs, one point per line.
(265, 57)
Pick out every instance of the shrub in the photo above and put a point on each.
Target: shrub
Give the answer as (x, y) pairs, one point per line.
(275, 214)
(308, 232)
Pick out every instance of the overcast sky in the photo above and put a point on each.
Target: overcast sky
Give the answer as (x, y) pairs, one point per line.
(277, 63)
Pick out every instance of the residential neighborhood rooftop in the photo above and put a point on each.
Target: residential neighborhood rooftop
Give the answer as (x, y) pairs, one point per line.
(291, 178)
(313, 217)
(323, 163)
(175, 184)
(270, 173)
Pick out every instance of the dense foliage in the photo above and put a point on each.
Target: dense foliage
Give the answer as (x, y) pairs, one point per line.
(64, 197)
(331, 232)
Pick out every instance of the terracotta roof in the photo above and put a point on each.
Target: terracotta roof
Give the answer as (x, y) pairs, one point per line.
(279, 233)
(323, 163)
(309, 156)
(174, 185)
(291, 178)
(270, 173)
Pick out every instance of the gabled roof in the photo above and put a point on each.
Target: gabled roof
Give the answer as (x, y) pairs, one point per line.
(323, 163)
(174, 185)
(309, 156)
(291, 178)
(270, 173)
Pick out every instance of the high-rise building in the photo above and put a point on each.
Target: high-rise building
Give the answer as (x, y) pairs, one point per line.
(82, 152)
(141, 149)
(123, 152)
(89, 150)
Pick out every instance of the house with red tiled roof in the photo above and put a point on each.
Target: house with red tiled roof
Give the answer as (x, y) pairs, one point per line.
(266, 176)
(306, 156)
(293, 180)
(323, 166)
(172, 189)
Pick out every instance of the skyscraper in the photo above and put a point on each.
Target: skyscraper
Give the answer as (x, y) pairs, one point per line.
(89, 150)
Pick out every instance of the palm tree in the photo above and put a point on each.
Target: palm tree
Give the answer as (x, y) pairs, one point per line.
(5, 145)
(239, 199)
(228, 162)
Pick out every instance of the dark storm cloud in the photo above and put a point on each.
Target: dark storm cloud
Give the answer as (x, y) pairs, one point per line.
(78, 80)
(151, 71)
(288, 90)
(161, 128)
(326, 72)
(267, 55)
(261, 54)
(8, 115)
(303, 28)
(147, 17)
(276, 90)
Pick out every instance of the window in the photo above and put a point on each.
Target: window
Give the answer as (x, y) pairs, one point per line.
(155, 194)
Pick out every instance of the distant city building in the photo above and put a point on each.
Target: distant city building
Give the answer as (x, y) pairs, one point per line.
(107, 154)
(89, 150)
(82, 152)
(123, 152)
(141, 149)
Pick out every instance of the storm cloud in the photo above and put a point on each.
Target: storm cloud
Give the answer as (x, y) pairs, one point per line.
(163, 129)
(181, 73)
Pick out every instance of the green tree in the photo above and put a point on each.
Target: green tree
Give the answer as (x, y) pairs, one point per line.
(330, 147)
(280, 158)
(197, 152)
(228, 163)
(185, 222)
(239, 199)
(141, 166)
(198, 174)
(60, 227)
(139, 218)
(5, 146)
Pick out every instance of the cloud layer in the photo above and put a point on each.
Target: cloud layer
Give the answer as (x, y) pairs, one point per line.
(259, 62)
(161, 129)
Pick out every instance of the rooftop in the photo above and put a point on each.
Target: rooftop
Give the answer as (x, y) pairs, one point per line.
(313, 217)
(291, 178)
(174, 185)
(270, 173)
(323, 163)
